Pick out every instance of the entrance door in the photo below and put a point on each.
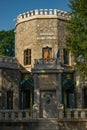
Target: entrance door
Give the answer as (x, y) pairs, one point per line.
(85, 98)
(25, 99)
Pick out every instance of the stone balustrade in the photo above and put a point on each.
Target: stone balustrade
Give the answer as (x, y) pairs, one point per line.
(8, 59)
(47, 61)
(42, 12)
(16, 115)
(73, 114)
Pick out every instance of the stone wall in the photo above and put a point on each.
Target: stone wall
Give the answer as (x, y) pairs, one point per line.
(41, 124)
(38, 32)
(9, 81)
(45, 124)
(73, 125)
(47, 91)
(47, 81)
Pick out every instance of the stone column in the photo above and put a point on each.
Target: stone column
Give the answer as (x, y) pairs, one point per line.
(59, 95)
(36, 88)
(36, 94)
(79, 97)
(78, 91)
(59, 89)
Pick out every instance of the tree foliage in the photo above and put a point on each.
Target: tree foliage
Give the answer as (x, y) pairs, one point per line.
(77, 36)
(7, 41)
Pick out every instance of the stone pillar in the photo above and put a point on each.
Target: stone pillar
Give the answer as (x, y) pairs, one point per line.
(31, 13)
(36, 92)
(41, 11)
(50, 11)
(59, 95)
(79, 97)
(36, 89)
(78, 91)
(36, 12)
(59, 89)
(27, 115)
(55, 12)
(45, 11)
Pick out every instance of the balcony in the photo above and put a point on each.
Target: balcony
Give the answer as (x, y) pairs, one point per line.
(17, 116)
(72, 114)
(47, 63)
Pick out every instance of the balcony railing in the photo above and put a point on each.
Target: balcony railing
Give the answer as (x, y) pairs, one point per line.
(73, 114)
(47, 61)
(17, 115)
(47, 64)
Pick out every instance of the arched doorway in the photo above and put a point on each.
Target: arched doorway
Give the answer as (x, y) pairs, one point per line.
(68, 93)
(27, 93)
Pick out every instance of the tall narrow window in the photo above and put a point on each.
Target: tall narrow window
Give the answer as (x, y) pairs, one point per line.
(26, 99)
(65, 56)
(9, 99)
(47, 52)
(85, 97)
(27, 57)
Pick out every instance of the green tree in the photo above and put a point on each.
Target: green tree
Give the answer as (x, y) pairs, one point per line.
(7, 41)
(77, 34)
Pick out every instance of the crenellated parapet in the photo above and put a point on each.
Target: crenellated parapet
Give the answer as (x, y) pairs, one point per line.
(43, 13)
(8, 62)
(38, 29)
(7, 59)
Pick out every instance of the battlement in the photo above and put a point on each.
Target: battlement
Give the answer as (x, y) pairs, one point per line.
(8, 59)
(43, 13)
(8, 62)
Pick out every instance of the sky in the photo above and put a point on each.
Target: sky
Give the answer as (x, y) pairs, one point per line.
(10, 9)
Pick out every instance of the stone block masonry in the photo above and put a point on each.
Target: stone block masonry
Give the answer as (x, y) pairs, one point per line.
(38, 29)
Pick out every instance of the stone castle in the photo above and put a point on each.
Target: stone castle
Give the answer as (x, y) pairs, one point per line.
(39, 87)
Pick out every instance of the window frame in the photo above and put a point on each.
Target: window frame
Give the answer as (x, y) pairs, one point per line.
(47, 50)
(27, 57)
(65, 57)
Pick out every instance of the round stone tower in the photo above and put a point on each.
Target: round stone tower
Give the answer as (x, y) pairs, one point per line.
(37, 32)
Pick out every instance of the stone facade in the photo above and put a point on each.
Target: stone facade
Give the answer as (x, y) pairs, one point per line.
(41, 90)
(38, 31)
(9, 81)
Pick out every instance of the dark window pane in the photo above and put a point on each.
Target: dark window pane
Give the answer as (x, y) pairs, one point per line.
(29, 60)
(85, 98)
(65, 56)
(9, 99)
(26, 52)
(26, 60)
(27, 57)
